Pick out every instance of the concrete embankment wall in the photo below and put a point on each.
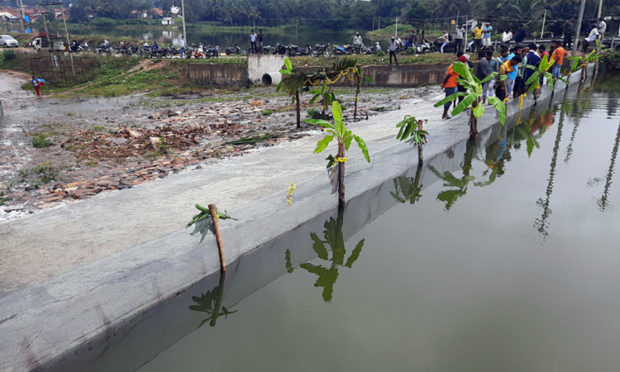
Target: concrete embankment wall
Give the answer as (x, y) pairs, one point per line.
(265, 70)
(228, 75)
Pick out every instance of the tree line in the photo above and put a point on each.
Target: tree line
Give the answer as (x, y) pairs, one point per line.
(355, 14)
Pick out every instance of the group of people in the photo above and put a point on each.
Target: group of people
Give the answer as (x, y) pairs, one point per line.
(257, 41)
(509, 63)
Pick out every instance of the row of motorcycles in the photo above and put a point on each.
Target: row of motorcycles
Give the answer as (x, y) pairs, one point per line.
(199, 51)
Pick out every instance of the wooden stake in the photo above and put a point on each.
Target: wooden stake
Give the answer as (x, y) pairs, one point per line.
(420, 153)
(218, 237)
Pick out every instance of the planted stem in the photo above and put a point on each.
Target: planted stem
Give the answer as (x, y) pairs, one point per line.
(218, 236)
(298, 108)
(341, 154)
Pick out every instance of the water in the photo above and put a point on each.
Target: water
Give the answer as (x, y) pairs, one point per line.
(501, 255)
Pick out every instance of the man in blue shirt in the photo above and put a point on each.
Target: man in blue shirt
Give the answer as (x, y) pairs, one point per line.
(486, 35)
(520, 35)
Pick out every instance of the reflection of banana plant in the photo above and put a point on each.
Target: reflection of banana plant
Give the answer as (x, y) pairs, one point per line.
(344, 137)
(211, 304)
(497, 154)
(472, 98)
(334, 240)
(602, 202)
(458, 185)
(542, 224)
(582, 62)
(407, 189)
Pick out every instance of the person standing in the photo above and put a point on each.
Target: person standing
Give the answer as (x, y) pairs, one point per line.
(483, 70)
(357, 42)
(569, 30)
(494, 64)
(253, 42)
(533, 59)
(542, 52)
(557, 56)
(477, 37)
(182, 47)
(449, 85)
(486, 37)
(393, 49)
(506, 36)
(458, 38)
(260, 40)
(520, 35)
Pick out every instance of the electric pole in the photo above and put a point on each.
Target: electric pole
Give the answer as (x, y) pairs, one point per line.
(581, 9)
(183, 14)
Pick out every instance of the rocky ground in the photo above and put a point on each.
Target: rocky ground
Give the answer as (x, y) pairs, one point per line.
(55, 151)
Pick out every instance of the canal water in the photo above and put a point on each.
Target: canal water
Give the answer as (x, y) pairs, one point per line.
(502, 254)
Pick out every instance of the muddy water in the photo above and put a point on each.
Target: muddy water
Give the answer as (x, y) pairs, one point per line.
(499, 256)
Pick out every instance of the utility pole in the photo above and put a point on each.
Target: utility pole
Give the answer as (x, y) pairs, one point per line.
(542, 31)
(396, 31)
(64, 21)
(23, 18)
(183, 14)
(600, 9)
(466, 31)
(581, 9)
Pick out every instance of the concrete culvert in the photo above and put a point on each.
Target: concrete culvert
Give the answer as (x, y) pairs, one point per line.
(266, 79)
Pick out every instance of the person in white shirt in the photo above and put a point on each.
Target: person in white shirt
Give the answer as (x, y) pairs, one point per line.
(253, 42)
(445, 38)
(602, 27)
(458, 38)
(592, 37)
(506, 36)
(393, 49)
(357, 42)
(182, 47)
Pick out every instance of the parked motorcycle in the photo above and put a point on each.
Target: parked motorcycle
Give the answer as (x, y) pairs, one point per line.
(294, 50)
(212, 51)
(279, 49)
(322, 50)
(232, 50)
(343, 49)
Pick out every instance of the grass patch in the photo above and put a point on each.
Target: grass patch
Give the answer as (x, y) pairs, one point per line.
(40, 141)
(267, 112)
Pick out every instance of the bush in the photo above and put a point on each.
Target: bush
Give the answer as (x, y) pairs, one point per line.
(267, 112)
(9, 55)
(40, 141)
(46, 172)
(380, 54)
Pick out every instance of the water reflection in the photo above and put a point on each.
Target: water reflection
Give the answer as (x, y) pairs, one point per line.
(458, 186)
(333, 239)
(602, 202)
(210, 303)
(542, 224)
(407, 189)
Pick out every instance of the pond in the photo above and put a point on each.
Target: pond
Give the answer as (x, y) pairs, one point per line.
(500, 254)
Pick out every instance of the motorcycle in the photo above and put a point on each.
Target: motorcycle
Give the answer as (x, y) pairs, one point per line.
(343, 49)
(321, 50)
(449, 48)
(232, 50)
(294, 50)
(279, 49)
(424, 47)
(212, 51)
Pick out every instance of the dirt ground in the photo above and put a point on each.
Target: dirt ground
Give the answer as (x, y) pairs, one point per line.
(54, 151)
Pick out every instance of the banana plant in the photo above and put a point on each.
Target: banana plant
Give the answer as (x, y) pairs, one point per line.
(293, 82)
(203, 223)
(344, 137)
(541, 71)
(472, 97)
(582, 62)
(412, 131)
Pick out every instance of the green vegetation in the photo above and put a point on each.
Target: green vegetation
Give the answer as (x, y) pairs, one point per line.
(40, 141)
(365, 60)
(267, 112)
(3, 199)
